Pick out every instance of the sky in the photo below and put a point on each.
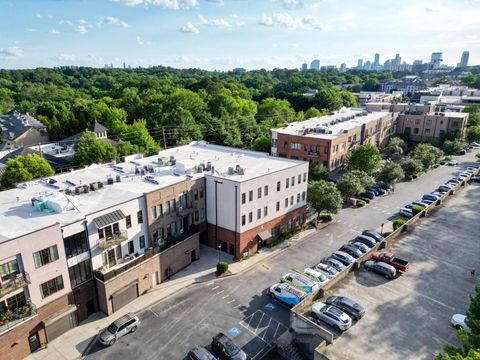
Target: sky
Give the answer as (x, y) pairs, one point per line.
(224, 34)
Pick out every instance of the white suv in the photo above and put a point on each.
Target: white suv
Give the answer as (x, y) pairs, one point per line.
(331, 315)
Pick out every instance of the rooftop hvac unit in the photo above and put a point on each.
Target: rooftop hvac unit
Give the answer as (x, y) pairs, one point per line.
(241, 171)
(142, 171)
(160, 161)
(213, 169)
(237, 167)
(79, 190)
(86, 189)
(68, 191)
(172, 158)
(173, 162)
(93, 186)
(100, 184)
(200, 168)
(230, 170)
(209, 166)
(137, 170)
(110, 181)
(117, 178)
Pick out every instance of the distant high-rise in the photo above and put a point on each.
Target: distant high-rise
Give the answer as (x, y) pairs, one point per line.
(343, 67)
(304, 67)
(464, 60)
(417, 66)
(376, 62)
(360, 64)
(387, 65)
(315, 64)
(436, 60)
(367, 65)
(396, 62)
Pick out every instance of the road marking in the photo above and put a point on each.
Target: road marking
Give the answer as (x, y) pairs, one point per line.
(225, 296)
(278, 325)
(153, 312)
(215, 288)
(231, 301)
(269, 321)
(234, 331)
(270, 306)
(221, 291)
(211, 283)
(260, 322)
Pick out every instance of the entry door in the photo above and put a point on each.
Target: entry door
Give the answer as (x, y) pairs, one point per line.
(111, 257)
(232, 249)
(193, 255)
(33, 342)
(90, 307)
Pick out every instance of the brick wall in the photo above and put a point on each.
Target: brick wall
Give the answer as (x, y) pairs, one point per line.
(179, 256)
(82, 294)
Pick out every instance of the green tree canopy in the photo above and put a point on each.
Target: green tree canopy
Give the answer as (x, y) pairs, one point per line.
(24, 168)
(473, 134)
(451, 147)
(390, 173)
(396, 146)
(312, 112)
(276, 110)
(411, 166)
(365, 179)
(263, 144)
(324, 196)
(350, 185)
(89, 150)
(427, 154)
(364, 157)
(317, 172)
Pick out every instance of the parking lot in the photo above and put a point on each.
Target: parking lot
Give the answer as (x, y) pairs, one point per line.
(409, 317)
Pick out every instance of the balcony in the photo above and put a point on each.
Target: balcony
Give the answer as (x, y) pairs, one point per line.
(113, 240)
(12, 318)
(314, 153)
(15, 282)
(184, 211)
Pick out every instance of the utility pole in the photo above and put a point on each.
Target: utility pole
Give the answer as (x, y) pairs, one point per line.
(164, 141)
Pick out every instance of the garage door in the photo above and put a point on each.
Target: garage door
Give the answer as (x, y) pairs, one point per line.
(124, 296)
(60, 323)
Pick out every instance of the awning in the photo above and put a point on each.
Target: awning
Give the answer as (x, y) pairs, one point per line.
(265, 235)
(59, 314)
(107, 219)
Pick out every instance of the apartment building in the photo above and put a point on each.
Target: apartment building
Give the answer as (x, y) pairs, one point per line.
(327, 139)
(407, 85)
(97, 238)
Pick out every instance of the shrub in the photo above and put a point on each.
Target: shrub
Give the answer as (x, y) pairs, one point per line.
(222, 266)
(386, 234)
(325, 217)
(365, 200)
(417, 209)
(360, 203)
(442, 162)
(436, 166)
(397, 223)
(414, 176)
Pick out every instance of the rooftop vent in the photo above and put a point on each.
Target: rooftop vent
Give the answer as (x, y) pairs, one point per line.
(241, 171)
(209, 166)
(231, 171)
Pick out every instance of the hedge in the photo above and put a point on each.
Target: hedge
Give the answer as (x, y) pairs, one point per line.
(222, 266)
(325, 217)
(397, 223)
(360, 203)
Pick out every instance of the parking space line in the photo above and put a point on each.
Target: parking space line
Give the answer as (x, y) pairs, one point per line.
(221, 291)
(263, 337)
(226, 296)
(153, 312)
(263, 314)
(278, 325)
(215, 288)
(233, 300)
(253, 333)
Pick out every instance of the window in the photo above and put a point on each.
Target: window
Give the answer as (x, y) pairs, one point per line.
(128, 221)
(250, 217)
(427, 131)
(201, 192)
(173, 206)
(455, 123)
(142, 241)
(155, 236)
(140, 217)
(9, 270)
(250, 195)
(244, 198)
(417, 121)
(76, 244)
(278, 185)
(45, 256)
(195, 194)
(293, 180)
(196, 215)
(259, 213)
(291, 200)
(243, 220)
(286, 202)
(415, 130)
(51, 286)
(278, 206)
(131, 249)
(153, 212)
(80, 273)
(16, 301)
(265, 190)
(298, 197)
(296, 146)
(428, 122)
(265, 211)
(182, 201)
(304, 177)
(304, 194)
(299, 178)
(259, 193)
(287, 183)
(202, 213)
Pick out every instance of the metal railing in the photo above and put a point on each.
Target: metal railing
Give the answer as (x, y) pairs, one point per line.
(15, 282)
(113, 240)
(11, 318)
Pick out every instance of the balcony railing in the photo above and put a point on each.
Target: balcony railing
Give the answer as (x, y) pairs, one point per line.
(314, 153)
(113, 240)
(183, 211)
(15, 282)
(12, 318)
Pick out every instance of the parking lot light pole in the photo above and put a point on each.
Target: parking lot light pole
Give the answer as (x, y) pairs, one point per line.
(216, 217)
(382, 229)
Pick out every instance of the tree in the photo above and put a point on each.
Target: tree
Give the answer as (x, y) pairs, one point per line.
(278, 110)
(89, 150)
(312, 112)
(350, 185)
(364, 157)
(317, 172)
(427, 154)
(324, 196)
(24, 168)
(262, 143)
(328, 98)
(411, 167)
(138, 135)
(472, 355)
(390, 173)
(473, 134)
(365, 179)
(451, 147)
(396, 146)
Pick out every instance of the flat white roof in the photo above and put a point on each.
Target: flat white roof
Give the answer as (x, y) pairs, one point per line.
(332, 125)
(19, 217)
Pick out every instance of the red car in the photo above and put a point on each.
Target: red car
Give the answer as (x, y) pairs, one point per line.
(391, 259)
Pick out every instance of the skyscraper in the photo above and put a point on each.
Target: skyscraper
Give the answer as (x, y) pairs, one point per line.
(304, 67)
(464, 60)
(360, 64)
(315, 64)
(436, 60)
(343, 67)
(376, 62)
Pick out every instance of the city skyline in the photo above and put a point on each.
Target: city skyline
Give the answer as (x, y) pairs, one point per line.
(248, 34)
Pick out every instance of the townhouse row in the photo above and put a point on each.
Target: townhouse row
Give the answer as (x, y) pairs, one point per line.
(97, 238)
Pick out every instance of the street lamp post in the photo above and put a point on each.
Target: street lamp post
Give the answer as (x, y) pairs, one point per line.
(382, 229)
(216, 218)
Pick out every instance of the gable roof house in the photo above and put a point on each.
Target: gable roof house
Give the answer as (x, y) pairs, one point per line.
(19, 130)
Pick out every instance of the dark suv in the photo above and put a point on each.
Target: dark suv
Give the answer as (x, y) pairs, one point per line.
(226, 348)
(373, 234)
(381, 268)
(355, 310)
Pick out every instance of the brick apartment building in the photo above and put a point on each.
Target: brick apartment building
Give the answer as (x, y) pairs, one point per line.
(97, 238)
(327, 139)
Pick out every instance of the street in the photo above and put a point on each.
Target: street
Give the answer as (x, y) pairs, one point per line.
(240, 305)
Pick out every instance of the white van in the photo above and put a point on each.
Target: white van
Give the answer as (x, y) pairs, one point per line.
(287, 294)
(301, 281)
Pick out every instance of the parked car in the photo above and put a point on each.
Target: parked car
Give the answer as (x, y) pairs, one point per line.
(391, 259)
(126, 324)
(462, 152)
(429, 202)
(328, 270)
(351, 250)
(445, 188)
(200, 353)
(460, 321)
(384, 186)
(368, 194)
(302, 281)
(408, 213)
(331, 315)
(343, 257)
(430, 197)
(420, 203)
(373, 234)
(352, 308)
(454, 181)
(337, 265)
(475, 179)
(318, 275)
(367, 240)
(360, 246)
(226, 348)
(381, 268)
(474, 169)
(287, 294)
(453, 162)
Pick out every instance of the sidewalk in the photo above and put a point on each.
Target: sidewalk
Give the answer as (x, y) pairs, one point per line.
(75, 342)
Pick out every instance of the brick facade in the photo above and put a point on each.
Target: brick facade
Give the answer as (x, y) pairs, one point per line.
(85, 296)
(179, 256)
(14, 344)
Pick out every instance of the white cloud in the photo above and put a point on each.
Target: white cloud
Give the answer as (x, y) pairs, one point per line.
(38, 16)
(313, 22)
(428, 10)
(143, 42)
(266, 20)
(164, 4)
(110, 20)
(64, 58)
(30, 30)
(214, 22)
(219, 2)
(54, 31)
(11, 52)
(82, 29)
(189, 28)
(129, 2)
(291, 4)
(65, 22)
